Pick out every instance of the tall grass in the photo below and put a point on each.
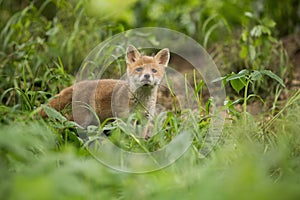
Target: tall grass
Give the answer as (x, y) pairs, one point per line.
(242, 167)
(33, 48)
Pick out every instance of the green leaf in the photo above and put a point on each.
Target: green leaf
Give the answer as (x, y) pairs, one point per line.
(242, 74)
(52, 31)
(258, 42)
(200, 86)
(238, 84)
(244, 36)
(252, 52)
(256, 75)
(249, 14)
(272, 39)
(255, 96)
(54, 114)
(266, 30)
(269, 22)
(273, 76)
(244, 71)
(219, 79)
(71, 124)
(244, 52)
(207, 105)
(256, 31)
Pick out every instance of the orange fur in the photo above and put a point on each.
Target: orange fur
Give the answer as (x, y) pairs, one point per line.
(109, 97)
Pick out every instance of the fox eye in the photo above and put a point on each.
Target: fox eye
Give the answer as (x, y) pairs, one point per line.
(139, 69)
(154, 70)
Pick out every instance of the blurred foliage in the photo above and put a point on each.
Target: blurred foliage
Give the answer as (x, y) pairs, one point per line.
(36, 46)
(36, 34)
(286, 14)
(241, 168)
(191, 16)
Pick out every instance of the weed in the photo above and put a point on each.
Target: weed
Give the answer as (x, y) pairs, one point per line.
(243, 79)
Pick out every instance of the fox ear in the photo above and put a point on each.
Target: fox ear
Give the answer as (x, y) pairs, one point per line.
(132, 54)
(163, 57)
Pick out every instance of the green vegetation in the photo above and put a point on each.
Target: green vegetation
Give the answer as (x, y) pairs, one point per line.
(42, 44)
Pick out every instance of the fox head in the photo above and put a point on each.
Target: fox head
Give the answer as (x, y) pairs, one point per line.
(145, 70)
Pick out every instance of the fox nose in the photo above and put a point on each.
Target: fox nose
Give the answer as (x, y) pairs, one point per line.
(147, 76)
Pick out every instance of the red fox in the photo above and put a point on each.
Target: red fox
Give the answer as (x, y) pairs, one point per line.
(110, 97)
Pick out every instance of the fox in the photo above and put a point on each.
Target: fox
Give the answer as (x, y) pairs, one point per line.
(110, 98)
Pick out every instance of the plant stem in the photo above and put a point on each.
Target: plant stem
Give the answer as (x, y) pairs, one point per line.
(245, 100)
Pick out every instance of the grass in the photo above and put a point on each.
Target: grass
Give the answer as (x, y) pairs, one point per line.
(47, 160)
(255, 158)
(35, 166)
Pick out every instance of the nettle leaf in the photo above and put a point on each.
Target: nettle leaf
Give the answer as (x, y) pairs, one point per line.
(72, 124)
(273, 76)
(244, 72)
(256, 75)
(272, 39)
(238, 84)
(269, 22)
(54, 114)
(219, 79)
(223, 79)
(238, 81)
(256, 31)
(266, 30)
(241, 74)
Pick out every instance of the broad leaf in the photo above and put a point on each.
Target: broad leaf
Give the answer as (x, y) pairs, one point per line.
(54, 114)
(242, 74)
(238, 84)
(219, 79)
(256, 75)
(273, 76)
(269, 22)
(256, 31)
(244, 52)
